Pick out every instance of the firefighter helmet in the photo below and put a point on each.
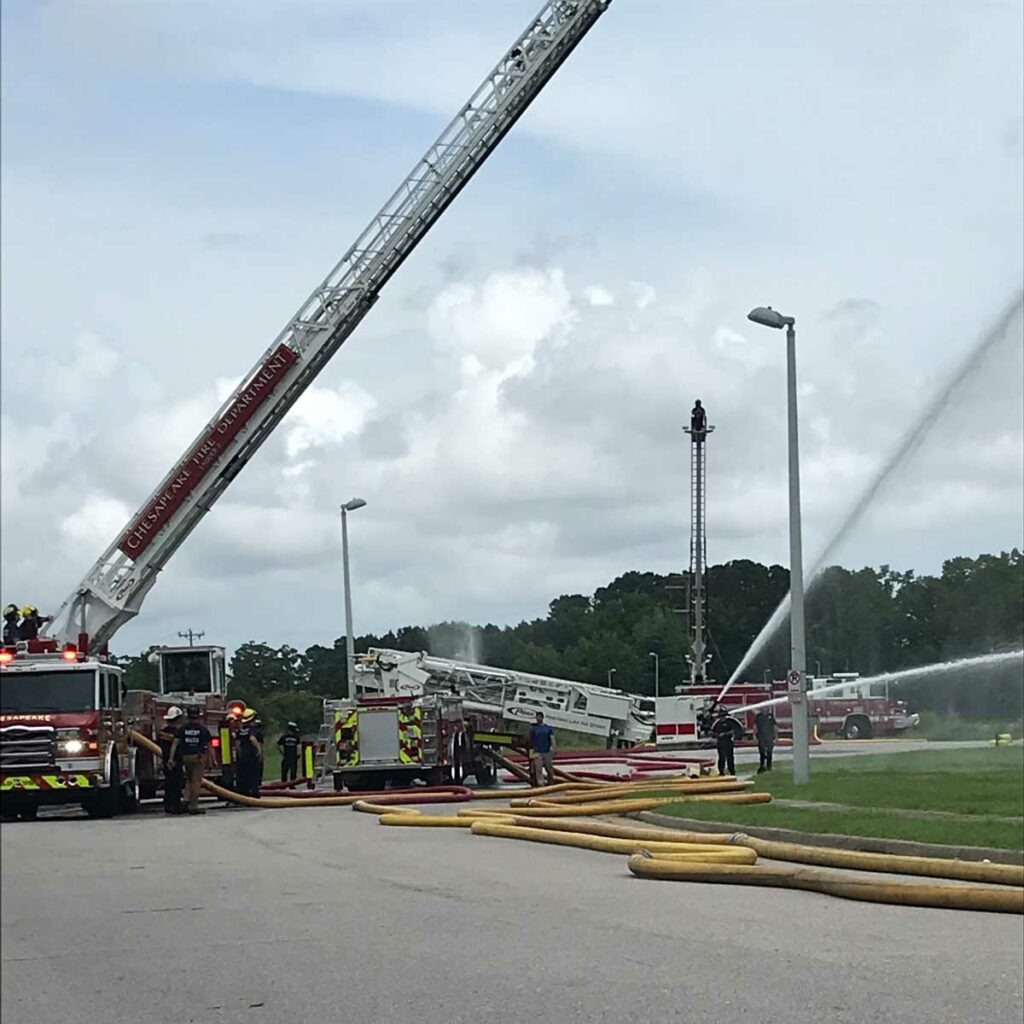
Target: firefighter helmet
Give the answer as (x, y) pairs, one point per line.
(11, 609)
(248, 714)
(173, 714)
(28, 611)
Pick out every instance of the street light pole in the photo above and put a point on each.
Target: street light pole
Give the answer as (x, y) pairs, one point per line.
(657, 673)
(611, 672)
(350, 643)
(768, 317)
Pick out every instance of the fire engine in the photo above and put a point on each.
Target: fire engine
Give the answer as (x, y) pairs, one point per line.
(845, 711)
(112, 591)
(398, 739)
(65, 719)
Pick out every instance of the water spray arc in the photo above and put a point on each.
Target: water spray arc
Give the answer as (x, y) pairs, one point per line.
(902, 675)
(909, 443)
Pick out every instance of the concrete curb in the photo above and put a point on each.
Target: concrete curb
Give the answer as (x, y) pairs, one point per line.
(894, 847)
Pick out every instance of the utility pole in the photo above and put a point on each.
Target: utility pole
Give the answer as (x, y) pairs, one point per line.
(191, 637)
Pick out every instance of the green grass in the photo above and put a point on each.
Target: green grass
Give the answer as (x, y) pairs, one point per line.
(874, 824)
(935, 726)
(972, 784)
(988, 781)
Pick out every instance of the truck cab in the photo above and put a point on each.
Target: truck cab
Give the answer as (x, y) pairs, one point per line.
(185, 675)
(63, 733)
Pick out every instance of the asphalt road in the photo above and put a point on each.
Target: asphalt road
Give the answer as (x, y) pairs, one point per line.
(321, 915)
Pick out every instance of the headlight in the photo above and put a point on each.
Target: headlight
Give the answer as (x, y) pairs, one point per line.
(73, 746)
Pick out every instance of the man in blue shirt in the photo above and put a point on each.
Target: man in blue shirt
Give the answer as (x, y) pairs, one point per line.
(542, 742)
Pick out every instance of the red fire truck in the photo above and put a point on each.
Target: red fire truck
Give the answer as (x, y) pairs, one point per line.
(849, 712)
(65, 721)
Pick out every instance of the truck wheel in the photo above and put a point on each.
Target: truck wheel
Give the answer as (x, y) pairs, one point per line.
(485, 775)
(102, 804)
(129, 798)
(858, 728)
(147, 790)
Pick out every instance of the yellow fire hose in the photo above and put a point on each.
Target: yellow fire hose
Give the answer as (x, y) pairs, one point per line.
(651, 789)
(251, 801)
(585, 810)
(717, 854)
(822, 856)
(426, 820)
(951, 897)
(929, 867)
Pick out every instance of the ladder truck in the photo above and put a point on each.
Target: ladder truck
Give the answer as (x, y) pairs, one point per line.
(112, 591)
(618, 718)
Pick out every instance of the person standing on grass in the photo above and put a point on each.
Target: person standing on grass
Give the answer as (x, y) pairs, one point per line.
(767, 733)
(726, 731)
(542, 743)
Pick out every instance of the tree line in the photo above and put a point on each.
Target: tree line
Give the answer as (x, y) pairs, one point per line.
(867, 621)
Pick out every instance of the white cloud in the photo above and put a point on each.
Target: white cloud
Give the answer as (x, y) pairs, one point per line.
(95, 524)
(326, 416)
(596, 295)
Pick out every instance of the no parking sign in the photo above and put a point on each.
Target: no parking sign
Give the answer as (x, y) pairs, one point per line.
(794, 681)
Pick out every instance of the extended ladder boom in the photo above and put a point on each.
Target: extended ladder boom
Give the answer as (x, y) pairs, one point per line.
(112, 591)
(616, 716)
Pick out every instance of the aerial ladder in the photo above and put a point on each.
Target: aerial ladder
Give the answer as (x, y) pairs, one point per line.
(112, 591)
(699, 429)
(618, 718)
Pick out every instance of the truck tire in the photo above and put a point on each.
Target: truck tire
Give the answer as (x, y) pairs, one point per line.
(485, 774)
(857, 727)
(129, 797)
(103, 803)
(147, 789)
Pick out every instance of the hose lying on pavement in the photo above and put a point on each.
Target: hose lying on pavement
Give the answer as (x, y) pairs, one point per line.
(583, 810)
(668, 785)
(717, 854)
(683, 797)
(822, 856)
(274, 801)
(916, 894)
(929, 867)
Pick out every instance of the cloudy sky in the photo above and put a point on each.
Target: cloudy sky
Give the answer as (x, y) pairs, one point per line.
(178, 176)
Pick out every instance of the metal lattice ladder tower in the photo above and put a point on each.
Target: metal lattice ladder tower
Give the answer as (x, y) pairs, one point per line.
(698, 548)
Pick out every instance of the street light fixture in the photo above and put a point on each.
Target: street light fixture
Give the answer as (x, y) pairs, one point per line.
(657, 672)
(768, 317)
(350, 644)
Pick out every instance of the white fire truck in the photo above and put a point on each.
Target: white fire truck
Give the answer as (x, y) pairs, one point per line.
(619, 719)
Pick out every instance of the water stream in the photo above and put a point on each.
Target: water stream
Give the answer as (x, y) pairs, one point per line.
(903, 674)
(908, 444)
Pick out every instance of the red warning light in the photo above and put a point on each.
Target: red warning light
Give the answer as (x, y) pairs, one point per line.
(6, 657)
(236, 708)
(70, 653)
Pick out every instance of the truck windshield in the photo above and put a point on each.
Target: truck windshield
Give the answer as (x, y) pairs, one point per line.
(187, 670)
(24, 692)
